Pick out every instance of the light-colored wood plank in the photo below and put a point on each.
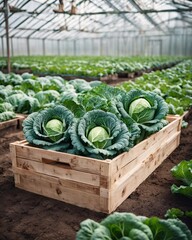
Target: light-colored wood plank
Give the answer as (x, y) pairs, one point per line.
(126, 185)
(53, 189)
(59, 171)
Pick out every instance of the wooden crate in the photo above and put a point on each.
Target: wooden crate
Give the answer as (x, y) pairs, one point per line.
(11, 125)
(90, 183)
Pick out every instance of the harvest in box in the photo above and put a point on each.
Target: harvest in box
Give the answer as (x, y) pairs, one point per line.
(87, 182)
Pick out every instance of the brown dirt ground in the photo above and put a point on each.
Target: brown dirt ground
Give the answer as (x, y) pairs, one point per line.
(27, 216)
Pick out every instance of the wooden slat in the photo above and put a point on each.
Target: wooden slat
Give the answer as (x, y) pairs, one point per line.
(14, 162)
(133, 159)
(67, 183)
(58, 171)
(9, 123)
(53, 189)
(120, 161)
(76, 162)
(126, 185)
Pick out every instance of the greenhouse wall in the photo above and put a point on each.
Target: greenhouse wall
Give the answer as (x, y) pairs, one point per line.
(177, 44)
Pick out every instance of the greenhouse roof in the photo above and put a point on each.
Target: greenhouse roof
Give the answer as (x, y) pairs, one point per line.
(93, 18)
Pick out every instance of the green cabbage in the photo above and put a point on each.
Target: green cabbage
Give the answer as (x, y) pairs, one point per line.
(145, 109)
(183, 172)
(128, 226)
(49, 128)
(138, 110)
(54, 129)
(99, 137)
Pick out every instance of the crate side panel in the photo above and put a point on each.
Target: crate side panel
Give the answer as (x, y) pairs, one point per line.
(76, 162)
(59, 170)
(53, 188)
(125, 186)
(129, 160)
(126, 157)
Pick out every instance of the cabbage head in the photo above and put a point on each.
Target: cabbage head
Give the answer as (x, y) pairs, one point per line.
(54, 129)
(100, 135)
(141, 110)
(146, 109)
(49, 128)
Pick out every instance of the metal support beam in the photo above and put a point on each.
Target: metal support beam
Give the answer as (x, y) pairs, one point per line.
(2, 41)
(58, 47)
(146, 15)
(44, 52)
(6, 13)
(75, 47)
(123, 16)
(28, 47)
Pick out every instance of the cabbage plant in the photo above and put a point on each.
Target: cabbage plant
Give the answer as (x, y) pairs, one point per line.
(49, 128)
(128, 226)
(146, 109)
(100, 135)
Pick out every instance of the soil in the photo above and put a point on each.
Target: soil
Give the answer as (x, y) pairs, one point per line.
(27, 216)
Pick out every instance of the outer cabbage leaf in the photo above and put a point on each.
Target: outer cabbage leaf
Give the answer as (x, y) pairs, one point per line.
(33, 128)
(95, 83)
(45, 83)
(15, 99)
(30, 84)
(5, 91)
(13, 79)
(6, 107)
(28, 105)
(183, 171)
(47, 96)
(184, 190)
(80, 85)
(117, 130)
(4, 116)
(101, 233)
(170, 229)
(126, 224)
(87, 228)
(27, 75)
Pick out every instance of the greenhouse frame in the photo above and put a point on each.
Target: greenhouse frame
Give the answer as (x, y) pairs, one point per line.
(95, 119)
(100, 27)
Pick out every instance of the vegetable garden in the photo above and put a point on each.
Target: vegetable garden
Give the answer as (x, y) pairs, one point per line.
(85, 141)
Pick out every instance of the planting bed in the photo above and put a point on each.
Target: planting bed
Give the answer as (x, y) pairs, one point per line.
(28, 216)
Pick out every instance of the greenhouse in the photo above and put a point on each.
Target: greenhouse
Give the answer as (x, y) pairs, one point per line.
(96, 119)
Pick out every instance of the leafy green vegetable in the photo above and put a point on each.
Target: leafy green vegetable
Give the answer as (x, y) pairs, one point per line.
(174, 213)
(99, 137)
(117, 132)
(125, 224)
(146, 109)
(183, 172)
(4, 107)
(170, 229)
(141, 111)
(54, 129)
(4, 116)
(6, 111)
(37, 126)
(128, 226)
(80, 85)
